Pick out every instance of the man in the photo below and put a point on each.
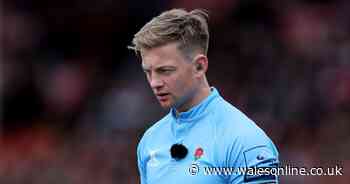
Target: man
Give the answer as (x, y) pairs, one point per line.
(202, 130)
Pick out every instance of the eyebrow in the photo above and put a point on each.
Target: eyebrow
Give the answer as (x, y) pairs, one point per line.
(166, 67)
(147, 68)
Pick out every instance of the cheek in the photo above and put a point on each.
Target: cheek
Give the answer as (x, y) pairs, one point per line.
(188, 79)
(175, 84)
(181, 85)
(180, 82)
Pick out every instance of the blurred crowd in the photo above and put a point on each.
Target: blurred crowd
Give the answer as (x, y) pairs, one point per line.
(74, 101)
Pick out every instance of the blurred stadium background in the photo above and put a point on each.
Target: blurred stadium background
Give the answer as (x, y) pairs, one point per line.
(75, 102)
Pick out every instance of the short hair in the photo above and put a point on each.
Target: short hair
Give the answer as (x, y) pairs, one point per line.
(189, 29)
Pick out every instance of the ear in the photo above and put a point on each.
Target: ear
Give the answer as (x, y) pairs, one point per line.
(201, 64)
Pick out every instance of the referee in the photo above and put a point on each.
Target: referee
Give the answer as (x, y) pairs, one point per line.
(202, 130)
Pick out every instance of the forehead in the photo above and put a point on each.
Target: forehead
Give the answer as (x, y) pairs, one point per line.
(168, 54)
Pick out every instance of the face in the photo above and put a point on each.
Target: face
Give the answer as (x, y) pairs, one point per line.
(171, 76)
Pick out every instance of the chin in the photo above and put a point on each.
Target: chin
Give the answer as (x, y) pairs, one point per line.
(166, 105)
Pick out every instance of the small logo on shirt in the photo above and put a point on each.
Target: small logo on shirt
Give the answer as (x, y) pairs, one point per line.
(260, 157)
(198, 153)
(153, 162)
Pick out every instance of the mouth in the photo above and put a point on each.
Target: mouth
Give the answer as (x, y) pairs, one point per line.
(162, 96)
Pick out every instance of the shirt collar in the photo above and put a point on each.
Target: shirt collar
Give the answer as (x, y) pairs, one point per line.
(197, 110)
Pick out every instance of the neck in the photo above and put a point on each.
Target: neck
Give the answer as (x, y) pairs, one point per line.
(199, 95)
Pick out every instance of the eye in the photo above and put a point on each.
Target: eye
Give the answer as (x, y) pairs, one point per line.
(165, 71)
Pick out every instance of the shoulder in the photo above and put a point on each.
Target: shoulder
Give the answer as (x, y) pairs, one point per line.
(240, 137)
(229, 118)
(237, 127)
(155, 131)
(156, 127)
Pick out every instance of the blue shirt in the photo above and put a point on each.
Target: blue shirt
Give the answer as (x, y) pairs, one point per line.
(216, 135)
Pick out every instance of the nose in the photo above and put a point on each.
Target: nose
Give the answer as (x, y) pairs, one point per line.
(156, 83)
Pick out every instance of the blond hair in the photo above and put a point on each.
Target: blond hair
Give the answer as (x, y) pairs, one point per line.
(189, 29)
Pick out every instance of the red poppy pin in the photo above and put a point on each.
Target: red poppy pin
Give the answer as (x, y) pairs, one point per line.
(198, 153)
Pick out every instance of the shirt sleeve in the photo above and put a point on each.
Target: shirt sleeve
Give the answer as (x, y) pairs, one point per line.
(253, 163)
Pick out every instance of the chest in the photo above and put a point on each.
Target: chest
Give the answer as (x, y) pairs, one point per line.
(200, 143)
